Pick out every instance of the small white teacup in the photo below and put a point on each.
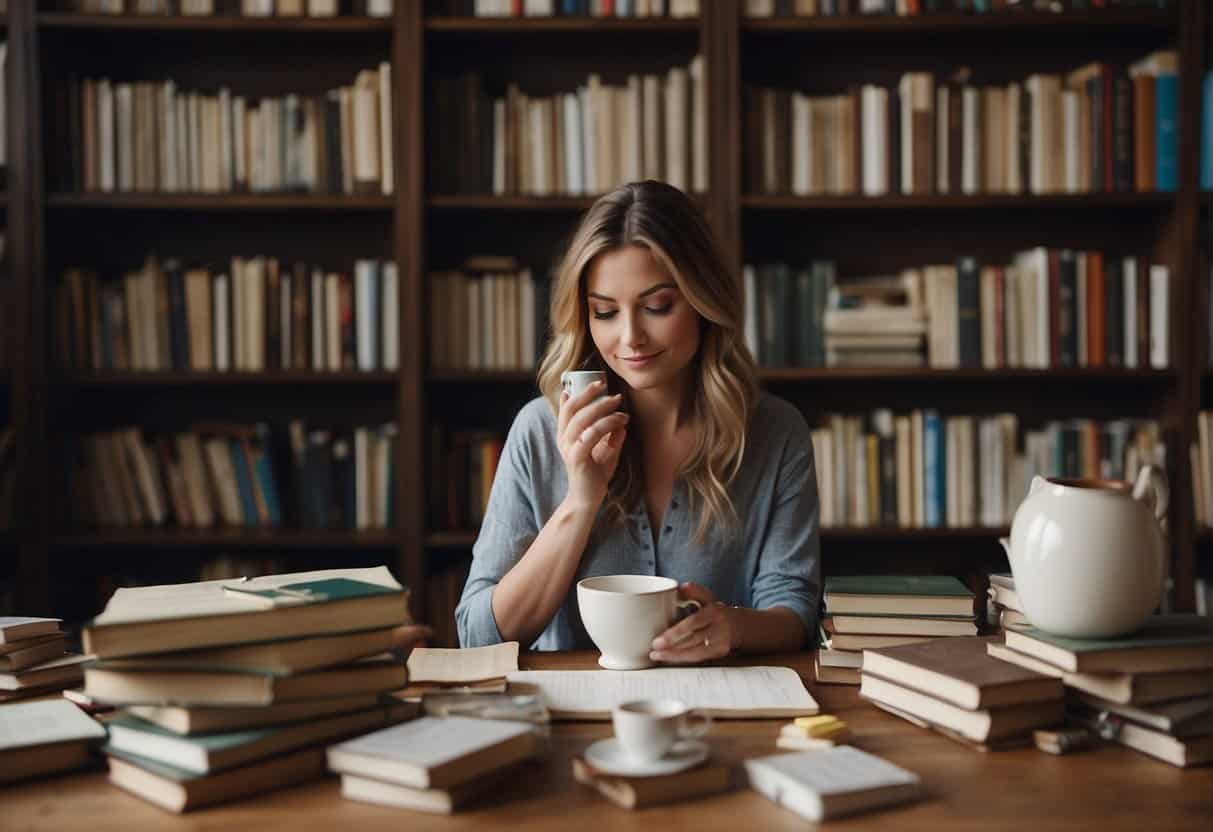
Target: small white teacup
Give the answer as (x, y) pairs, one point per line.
(575, 381)
(646, 729)
(624, 613)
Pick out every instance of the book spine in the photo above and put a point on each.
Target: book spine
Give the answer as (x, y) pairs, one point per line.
(1166, 130)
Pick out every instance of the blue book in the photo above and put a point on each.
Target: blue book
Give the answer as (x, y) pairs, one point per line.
(1166, 114)
(265, 476)
(244, 483)
(933, 468)
(1206, 133)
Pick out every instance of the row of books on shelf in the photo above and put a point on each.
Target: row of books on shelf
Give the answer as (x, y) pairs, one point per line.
(924, 469)
(491, 313)
(261, 314)
(654, 126)
(462, 466)
(151, 136)
(1098, 128)
(565, 8)
(232, 475)
(914, 8)
(232, 8)
(1047, 308)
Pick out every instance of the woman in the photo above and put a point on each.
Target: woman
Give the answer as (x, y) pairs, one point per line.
(686, 471)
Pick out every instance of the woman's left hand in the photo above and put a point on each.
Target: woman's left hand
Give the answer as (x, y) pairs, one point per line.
(708, 634)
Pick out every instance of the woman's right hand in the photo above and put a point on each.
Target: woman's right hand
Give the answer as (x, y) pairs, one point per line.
(590, 433)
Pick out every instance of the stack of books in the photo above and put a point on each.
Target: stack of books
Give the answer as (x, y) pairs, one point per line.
(1003, 607)
(33, 661)
(877, 322)
(432, 764)
(38, 738)
(875, 611)
(1151, 691)
(233, 687)
(958, 689)
(438, 670)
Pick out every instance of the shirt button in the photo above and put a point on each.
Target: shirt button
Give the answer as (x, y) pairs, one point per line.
(669, 528)
(674, 504)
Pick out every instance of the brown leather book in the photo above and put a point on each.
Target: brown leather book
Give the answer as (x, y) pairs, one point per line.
(1143, 132)
(1096, 310)
(960, 671)
(638, 792)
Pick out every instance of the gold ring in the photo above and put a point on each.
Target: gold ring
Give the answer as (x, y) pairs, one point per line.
(707, 642)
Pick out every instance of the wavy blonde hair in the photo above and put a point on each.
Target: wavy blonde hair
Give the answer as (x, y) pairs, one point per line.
(725, 383)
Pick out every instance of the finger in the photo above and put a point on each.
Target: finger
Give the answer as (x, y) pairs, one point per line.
(590, 414)
(690, 591)
(570, 405)
(583, 443)
(608, 446)
(686, 630)
(706, 646)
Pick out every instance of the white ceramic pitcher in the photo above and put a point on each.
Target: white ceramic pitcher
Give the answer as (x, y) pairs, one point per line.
(1089, 556)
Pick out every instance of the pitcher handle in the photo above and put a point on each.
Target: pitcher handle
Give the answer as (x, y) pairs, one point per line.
(1152, 489)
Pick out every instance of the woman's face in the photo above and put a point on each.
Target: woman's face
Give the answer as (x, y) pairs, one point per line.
(643, 327)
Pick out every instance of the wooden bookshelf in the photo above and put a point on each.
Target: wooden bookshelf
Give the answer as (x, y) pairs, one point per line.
(214, 203)
(225, 24)
(426, 229)
(223, 538)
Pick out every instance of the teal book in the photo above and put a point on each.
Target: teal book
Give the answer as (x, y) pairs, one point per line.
(204, 753)
(1165, 643)
(911, 595)
(308, 592)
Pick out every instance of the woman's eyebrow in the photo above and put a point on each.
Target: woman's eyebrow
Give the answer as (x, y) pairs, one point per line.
(646, 292)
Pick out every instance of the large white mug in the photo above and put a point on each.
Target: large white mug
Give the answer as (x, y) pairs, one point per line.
(624, 613)
(646, 729)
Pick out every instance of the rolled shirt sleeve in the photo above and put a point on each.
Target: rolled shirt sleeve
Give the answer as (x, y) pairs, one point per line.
(788, 570)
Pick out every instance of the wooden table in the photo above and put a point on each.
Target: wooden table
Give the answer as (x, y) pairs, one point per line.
(1108, 788)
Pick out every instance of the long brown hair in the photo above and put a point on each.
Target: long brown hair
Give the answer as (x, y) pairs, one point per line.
(724, 383)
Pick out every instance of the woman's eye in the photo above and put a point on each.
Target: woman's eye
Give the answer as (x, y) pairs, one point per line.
(660, 310)
(604, 316)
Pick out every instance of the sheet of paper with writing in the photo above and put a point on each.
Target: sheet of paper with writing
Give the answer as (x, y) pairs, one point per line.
(436, 664)
(730, 692)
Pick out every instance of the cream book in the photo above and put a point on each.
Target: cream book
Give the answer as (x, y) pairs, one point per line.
(474, 664)
(435, 752)
(29, 652)
(436, 801)
(63, 671)
(14, 628)
(638, 792)
(729, 692)
(179, 791)
(837, 781)
(1181, 752)
(157, 619)
(275, 658)
(42, 737)
(1124, 688)
(204, 719)
(185, 687)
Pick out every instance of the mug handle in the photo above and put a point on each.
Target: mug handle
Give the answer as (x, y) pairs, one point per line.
(693, 731)
(1151, 488)
(685, 609)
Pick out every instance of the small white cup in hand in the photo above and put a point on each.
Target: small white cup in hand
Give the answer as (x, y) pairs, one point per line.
(575, 381)
(647, 729)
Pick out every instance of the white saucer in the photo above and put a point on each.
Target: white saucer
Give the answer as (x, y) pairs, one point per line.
(608, 756)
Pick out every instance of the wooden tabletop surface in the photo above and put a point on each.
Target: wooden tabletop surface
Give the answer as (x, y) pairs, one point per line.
(1106, 788)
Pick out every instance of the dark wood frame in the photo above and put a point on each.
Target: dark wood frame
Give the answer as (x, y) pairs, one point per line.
(1174, 394)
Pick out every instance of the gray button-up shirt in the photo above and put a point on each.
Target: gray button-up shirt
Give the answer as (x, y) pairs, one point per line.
(772, 560)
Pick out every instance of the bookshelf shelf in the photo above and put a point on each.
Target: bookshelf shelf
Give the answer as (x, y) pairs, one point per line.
(562, 25)
(487, 202)
(465, 538)
(827, 375)
(943, 376)
(216, 23)
(1130, 20)
(228, 537)
(220, 202)
(1118, 201)
(179, 379)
